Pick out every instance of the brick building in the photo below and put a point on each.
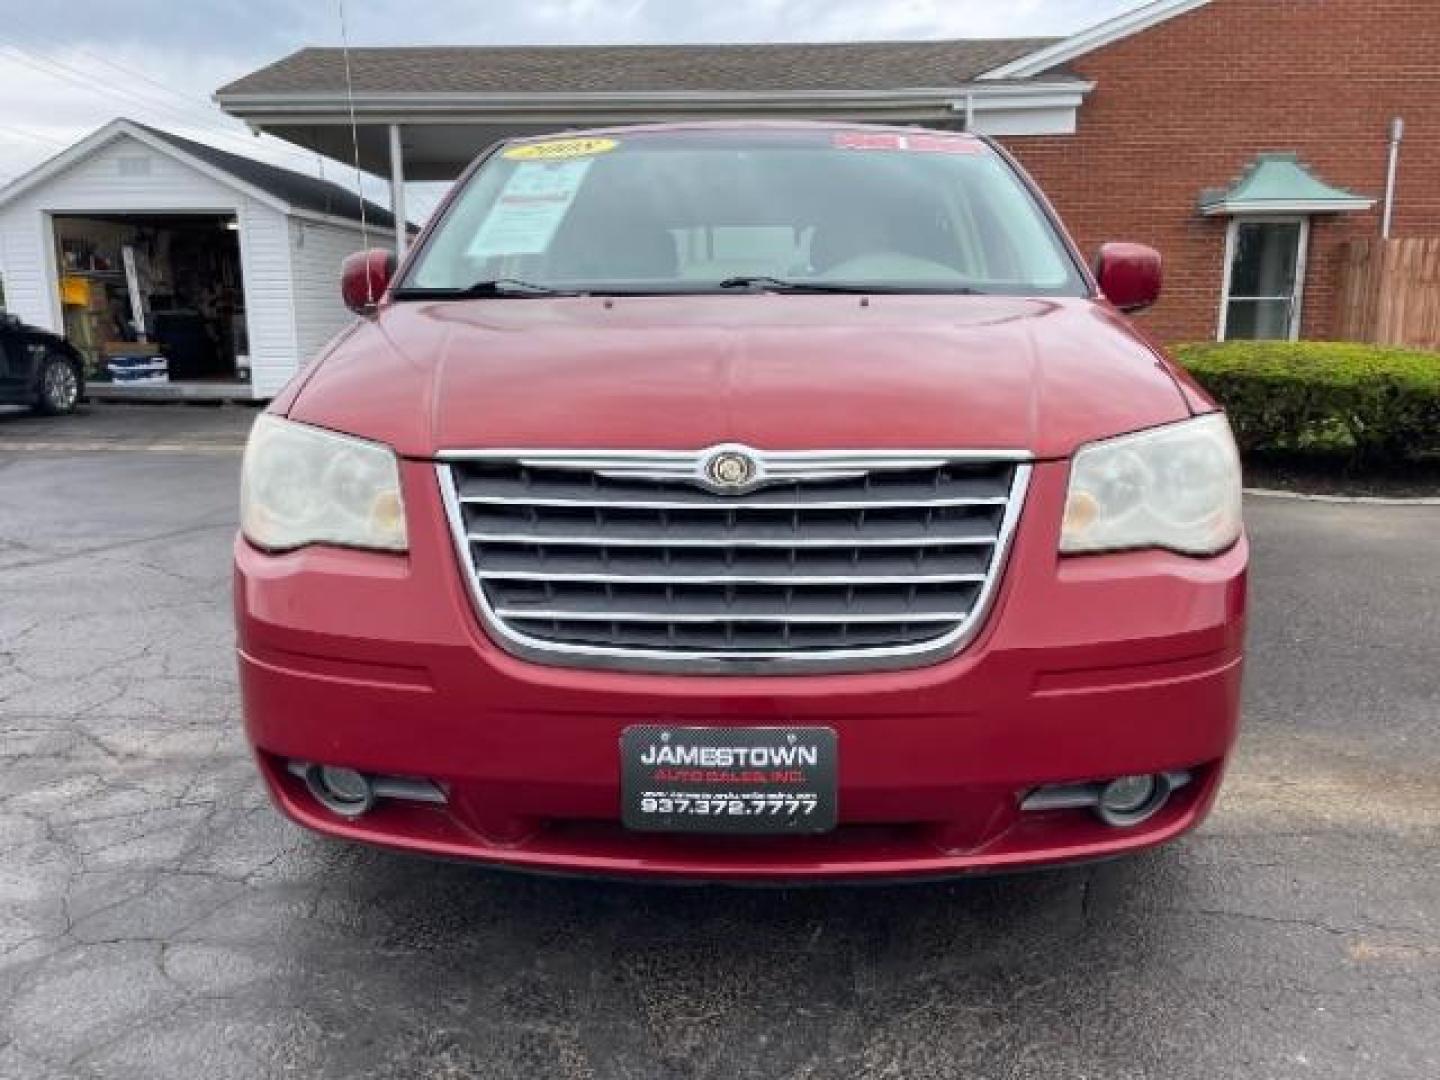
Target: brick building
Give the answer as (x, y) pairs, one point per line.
(1195, 99)
(1248, 140)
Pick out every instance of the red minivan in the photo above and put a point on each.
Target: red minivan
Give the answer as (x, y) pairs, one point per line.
(744, 501)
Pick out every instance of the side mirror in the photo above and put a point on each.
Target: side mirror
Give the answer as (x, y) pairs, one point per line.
(364, 277)
(1129, 275)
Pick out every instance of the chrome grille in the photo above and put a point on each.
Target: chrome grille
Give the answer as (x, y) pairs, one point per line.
(827, 561)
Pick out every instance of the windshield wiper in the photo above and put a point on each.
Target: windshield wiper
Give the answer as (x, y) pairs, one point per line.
(508, 287)
(487, 287)
(766, 283)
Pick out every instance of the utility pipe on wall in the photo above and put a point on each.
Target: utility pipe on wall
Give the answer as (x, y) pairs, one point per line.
(1397, 135)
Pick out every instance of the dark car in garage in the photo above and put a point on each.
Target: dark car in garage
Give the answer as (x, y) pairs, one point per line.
(38, 369)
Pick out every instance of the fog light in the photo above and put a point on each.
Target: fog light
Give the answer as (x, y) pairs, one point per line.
(343, 791)
(346, 784)
(1127, 794)
(1126, 801)
(1129, 800)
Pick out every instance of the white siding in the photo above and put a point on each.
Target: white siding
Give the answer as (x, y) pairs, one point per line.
(24, 259)
(126, 176)
(316, 251)
(269, 301)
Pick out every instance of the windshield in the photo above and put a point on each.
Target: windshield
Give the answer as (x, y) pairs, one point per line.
(701, 210)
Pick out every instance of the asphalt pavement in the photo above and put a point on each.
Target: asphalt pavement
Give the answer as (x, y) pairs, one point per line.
(158, 919)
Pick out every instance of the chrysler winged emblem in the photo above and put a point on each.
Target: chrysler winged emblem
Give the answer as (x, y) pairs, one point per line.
(731, 470)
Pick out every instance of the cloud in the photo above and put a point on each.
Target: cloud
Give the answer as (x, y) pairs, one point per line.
(57, 96)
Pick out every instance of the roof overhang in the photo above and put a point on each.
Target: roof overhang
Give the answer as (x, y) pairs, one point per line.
(443, 132)
(1280, 183)
(471, 106)
(1260, 208)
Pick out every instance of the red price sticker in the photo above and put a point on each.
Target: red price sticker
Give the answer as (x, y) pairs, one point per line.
(918, 143)
(944, 144)
(869, 140)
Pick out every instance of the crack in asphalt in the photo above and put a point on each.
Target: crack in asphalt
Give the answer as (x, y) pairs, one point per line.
(1298, 921)
(118, 545)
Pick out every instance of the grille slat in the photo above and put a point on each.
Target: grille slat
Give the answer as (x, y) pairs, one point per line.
(529, 486)
(732, 601)
(662, 616)
(731, 538)
(789, 566)
(848, 560)
(737, 579)
(670, 503)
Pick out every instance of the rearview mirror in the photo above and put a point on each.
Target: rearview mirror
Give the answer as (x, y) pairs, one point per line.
(1129, 275)
(364, 277)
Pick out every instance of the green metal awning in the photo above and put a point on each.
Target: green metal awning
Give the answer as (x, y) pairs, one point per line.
(1280, 184)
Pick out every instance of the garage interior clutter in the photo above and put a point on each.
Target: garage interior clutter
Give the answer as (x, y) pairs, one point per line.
(151, 299)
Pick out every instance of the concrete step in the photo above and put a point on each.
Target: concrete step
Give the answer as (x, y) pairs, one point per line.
(208, 392)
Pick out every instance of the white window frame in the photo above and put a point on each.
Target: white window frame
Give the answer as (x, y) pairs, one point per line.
(1302, 258)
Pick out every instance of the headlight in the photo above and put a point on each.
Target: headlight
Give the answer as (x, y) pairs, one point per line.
(303, 485)
(1175, 487)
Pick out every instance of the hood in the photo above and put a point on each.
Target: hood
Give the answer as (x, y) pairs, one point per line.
(778, 372)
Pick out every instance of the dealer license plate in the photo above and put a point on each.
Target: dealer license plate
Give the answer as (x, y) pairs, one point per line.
(728, 780)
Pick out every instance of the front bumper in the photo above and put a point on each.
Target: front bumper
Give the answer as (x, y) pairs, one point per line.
(1087, 669)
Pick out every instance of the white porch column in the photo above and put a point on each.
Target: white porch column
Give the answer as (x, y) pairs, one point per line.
(397, 192)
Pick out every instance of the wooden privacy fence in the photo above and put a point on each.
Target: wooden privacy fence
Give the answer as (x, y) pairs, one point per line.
(1390, 293)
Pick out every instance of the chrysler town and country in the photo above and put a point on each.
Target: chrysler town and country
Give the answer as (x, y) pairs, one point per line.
(744, 501)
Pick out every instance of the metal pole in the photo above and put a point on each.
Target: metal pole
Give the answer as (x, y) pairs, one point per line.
(1397, 135)
(397, 192)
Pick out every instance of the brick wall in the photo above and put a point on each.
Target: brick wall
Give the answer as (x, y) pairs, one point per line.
(1187, 104)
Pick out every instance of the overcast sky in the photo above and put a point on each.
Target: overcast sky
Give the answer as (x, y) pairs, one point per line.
(68, 67)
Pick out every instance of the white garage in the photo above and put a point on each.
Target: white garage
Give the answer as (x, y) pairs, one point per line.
(177, 268)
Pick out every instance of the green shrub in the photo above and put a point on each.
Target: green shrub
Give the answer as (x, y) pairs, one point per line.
(1382, 404)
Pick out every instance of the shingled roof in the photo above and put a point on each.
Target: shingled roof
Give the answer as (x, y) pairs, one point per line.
(287, 190)
(639, 69)
(298, 190)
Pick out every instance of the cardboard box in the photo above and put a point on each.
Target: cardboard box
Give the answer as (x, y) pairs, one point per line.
(75, 292)
(129, 348)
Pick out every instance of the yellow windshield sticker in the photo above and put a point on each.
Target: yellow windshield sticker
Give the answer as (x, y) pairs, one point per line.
(560, 149)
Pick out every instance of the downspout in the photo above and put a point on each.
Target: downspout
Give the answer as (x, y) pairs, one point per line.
(965, 106)
(1397, 136)
(397, 193)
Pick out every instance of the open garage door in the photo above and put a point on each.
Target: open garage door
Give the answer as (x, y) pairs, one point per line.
(154, 299)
